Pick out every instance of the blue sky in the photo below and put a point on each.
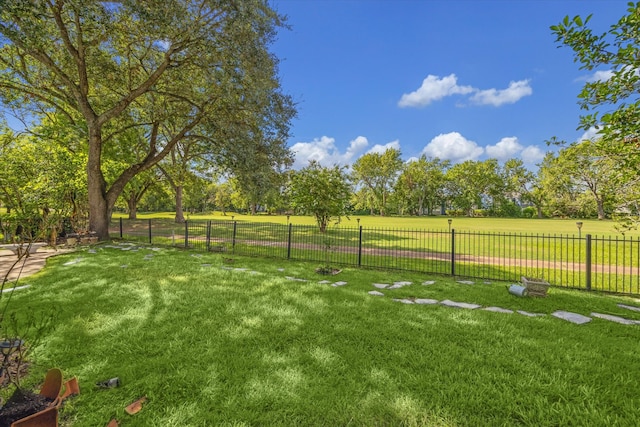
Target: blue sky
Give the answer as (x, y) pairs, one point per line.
(453, 79)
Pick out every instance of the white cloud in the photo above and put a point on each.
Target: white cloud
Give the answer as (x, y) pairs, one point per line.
(433, 88)
(382, 148)
(324, 151)
(510, 95)
(532, 155)
(591, 134)
(505, 149)
(453, 146)
(598, 76)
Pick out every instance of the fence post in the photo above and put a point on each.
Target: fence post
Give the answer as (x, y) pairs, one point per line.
(208, 235)
(588, 262)
(121, 227)
(289, 242)
(233, 240)
(149, 230)
(186, 234)
(360, 248)
(453, 252)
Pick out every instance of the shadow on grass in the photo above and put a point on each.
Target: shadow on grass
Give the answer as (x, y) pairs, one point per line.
(210, 346)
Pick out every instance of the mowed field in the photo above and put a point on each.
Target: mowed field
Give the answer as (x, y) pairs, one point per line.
(499, 225)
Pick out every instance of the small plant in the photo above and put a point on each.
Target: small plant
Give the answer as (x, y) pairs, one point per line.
(327, 251)
(19, 331)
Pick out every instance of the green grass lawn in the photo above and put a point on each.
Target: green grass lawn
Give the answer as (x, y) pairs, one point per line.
(502, 225)
(210, 346)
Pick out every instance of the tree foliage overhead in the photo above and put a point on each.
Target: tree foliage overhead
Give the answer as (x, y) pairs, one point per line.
(613, 102)
(173, 69)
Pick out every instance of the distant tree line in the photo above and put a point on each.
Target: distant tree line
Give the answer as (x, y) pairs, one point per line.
(139, 106)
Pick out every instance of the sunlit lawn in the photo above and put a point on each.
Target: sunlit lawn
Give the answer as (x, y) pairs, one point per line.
(504, 225)
(211, 346)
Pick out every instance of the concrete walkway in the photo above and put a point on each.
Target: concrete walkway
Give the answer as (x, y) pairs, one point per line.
(27, 266)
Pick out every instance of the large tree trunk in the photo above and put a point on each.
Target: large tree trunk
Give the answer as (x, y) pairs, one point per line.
(539, 209)
(132, 203)
(179, 210)
(96, 187)
(601, 214)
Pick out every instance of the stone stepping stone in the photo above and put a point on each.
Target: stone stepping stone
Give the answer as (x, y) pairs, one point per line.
(394, 287)
(155, 249)
(526, 313)
(376, 293)
(254, 272)
(111, 246)
(17, 288)
(205, 265)
(402, 283)
(404, 301)
(92, 251)
(427, 301)
(428, 282)
(196, 255)
(240, 269)
(629, 307)
(616, 319)
(324, 282)
(224, 267)
(576, 318)
(148, 256)
(124, 266)
(466, 282)
(75, 261)
(338, 284)
(381, 285)
(469, 306)
(498, 310)
(295, 279)
(281, 269)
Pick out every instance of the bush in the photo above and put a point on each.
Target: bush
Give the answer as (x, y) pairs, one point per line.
(529, 212)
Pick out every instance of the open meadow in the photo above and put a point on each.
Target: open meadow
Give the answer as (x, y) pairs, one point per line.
(212, 339)
(595, 257)
(481, 224)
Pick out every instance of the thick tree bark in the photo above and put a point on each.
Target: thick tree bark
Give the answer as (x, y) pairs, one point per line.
(96, 185)
(601, 214)
(132, 203)
(179, 210)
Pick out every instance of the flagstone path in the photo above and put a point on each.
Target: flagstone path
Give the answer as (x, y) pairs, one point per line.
(36, 262)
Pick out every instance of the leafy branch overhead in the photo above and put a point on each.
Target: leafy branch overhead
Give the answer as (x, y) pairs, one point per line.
(612, 96)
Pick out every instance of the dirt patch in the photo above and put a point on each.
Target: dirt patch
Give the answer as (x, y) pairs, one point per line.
(22, 404)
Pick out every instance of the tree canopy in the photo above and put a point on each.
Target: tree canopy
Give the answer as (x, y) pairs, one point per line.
(173, 69)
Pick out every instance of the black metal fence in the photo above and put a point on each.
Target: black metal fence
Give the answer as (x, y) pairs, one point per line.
(609, 264)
